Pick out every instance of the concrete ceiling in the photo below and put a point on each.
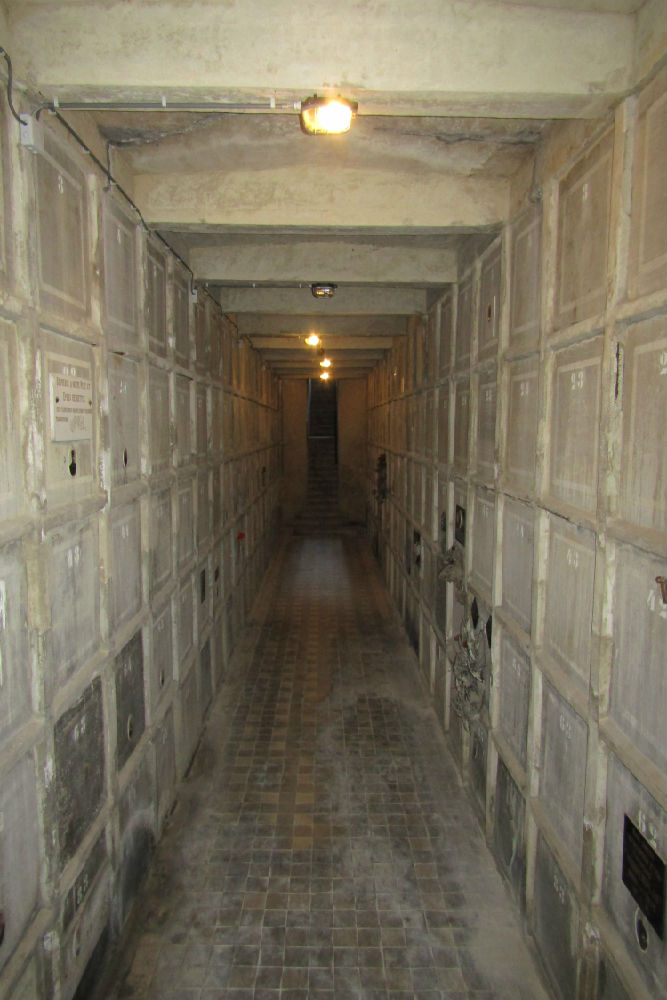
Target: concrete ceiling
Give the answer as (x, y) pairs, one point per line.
(454, 98)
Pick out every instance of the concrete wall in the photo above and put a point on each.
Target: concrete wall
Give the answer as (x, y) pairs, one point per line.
(352, 437)
(294, 411)
(524, 426)
(139, 474)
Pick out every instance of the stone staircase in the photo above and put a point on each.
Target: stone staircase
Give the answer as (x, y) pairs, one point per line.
(320, 514)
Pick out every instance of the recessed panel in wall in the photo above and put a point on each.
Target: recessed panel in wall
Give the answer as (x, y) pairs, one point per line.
(185, 622)
(583, 235)
(160, 539)
(563, 774)
(483, 541)
(188, 720)
(120, 275)
(517, 555)
(161, 665)
(202, 336)
(206, 674)
(486, 425)
(203, 507)
(20, 851)
(639, 653)
(644, 450)
(156, 300)
(215, 369)
(419, 423)
(217, 500)
(427, 520)
(514, 697)
(410, 437)
(216, 420)
(556, 922)
(124, 419)
(181, 318)
(62, 240)
(185, 541)
(79, 889)
(182, 417)
(129, 687)
(136, 824)
(569, 597)
(159, 440)
(201, 439)
(488, 316)
(79, 768)
(461, 425)
(522, 424)
(525, 280)
(74, 597)
(429, 422)
(509, 831)
(15, 666)
(417, 509)
(446, 335)
(443, 424)
(575, 421)
(464, 321)
(125, 563)
(627, 797)
(165, 764)
(86, 931)
(648, 237)
(11, 486)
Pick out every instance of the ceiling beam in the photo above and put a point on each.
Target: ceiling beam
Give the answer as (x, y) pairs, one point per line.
(332, 343)
(479, 57)
(260, 325)
(342, 261)
(346, 301)
(291, 195)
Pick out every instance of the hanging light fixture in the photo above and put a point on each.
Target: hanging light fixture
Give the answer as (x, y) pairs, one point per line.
(312, 340)
(324, 376)
(325, 363)
(323, 289)
(326, 115)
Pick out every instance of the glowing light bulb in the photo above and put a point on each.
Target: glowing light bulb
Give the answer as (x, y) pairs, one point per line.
(312, 340)
(325, 363)
(324, 376)
(320, 115)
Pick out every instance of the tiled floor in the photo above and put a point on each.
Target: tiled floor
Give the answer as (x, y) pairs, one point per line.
(322, 846)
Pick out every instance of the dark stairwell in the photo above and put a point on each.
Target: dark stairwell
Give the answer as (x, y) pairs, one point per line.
(321, 514)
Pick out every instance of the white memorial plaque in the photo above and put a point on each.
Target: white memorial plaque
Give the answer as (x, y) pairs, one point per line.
(71, 400)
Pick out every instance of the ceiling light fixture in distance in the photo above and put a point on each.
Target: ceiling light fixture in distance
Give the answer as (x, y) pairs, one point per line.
(324, 376)
(325, 363)
(312, 340)
(323, 289)
(327, 115)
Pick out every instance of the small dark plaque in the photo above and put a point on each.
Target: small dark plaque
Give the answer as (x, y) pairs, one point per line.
(644, 876)
(460, 525)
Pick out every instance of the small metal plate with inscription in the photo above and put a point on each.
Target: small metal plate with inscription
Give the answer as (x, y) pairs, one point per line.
(71, 399)
(644, 876)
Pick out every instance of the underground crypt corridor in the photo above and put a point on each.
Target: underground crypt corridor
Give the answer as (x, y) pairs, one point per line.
(322, 844)
(333, 499)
